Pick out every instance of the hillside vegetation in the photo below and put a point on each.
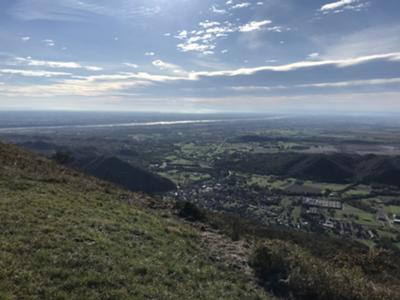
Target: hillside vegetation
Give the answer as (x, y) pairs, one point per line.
(308, 266)
(64, 235)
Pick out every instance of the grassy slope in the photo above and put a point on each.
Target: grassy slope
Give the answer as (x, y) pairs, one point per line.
(67, 236)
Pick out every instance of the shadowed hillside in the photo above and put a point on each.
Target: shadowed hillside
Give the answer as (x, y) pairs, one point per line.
(336, 168)
(119, 172)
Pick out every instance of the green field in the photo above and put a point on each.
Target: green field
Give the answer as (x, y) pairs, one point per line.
(357, 215)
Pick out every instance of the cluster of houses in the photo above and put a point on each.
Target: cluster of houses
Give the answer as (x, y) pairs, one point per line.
(232, 194)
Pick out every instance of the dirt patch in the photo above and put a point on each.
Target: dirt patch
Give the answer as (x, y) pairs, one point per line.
(234, 254)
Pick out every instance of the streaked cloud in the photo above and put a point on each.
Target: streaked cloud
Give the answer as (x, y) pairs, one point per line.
(254, 25)
(342, 5)
(54, 64)
(337, 4)
(337, 84)
(34, 73)
(340, 63)
(131, 65)
(105, 83)
(241, 5)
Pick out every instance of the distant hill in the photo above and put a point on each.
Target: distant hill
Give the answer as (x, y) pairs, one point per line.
(122, 173)
(66, 235)
(108, 168)
(324, 168)
(379, 169)
(335, 168)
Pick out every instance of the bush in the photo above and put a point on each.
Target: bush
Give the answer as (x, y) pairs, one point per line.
(288, 269)
(62, 157)
(190, 212)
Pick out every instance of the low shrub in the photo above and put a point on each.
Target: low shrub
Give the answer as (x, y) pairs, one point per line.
(190, 212)
(288, 269)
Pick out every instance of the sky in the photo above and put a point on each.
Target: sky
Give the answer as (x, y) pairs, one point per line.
(200, 56)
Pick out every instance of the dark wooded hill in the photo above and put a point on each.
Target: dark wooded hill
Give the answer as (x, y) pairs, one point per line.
(124, 174)
(335, 168)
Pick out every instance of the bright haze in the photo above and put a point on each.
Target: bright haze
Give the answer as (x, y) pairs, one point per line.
(200, 55)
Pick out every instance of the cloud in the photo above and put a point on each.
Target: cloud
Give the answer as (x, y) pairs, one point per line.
(313, 55)
(337, 4)
(204, 39)
(252, 26)
(285, 77)
(25, 38)
(182, 35)
(51, 64)
(338, 84)
(343, 5)
(54, 64)
(88, 86)
(217, 10)
(149, 54)
(168, 66)
(340, 63)
(33, 73)
(71, 88)
(49, 42)
(93, 68)
(135, 66)
(241, 5)
(207, 24)
(196, 76)
(352, 83)
(187, 47)
(78, 11)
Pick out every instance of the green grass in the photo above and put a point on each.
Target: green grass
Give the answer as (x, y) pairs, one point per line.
(358, 191)
(392, 209)
(324, 186)
(296, 213)
(67, 236)
(362, 217)
(266, 181)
